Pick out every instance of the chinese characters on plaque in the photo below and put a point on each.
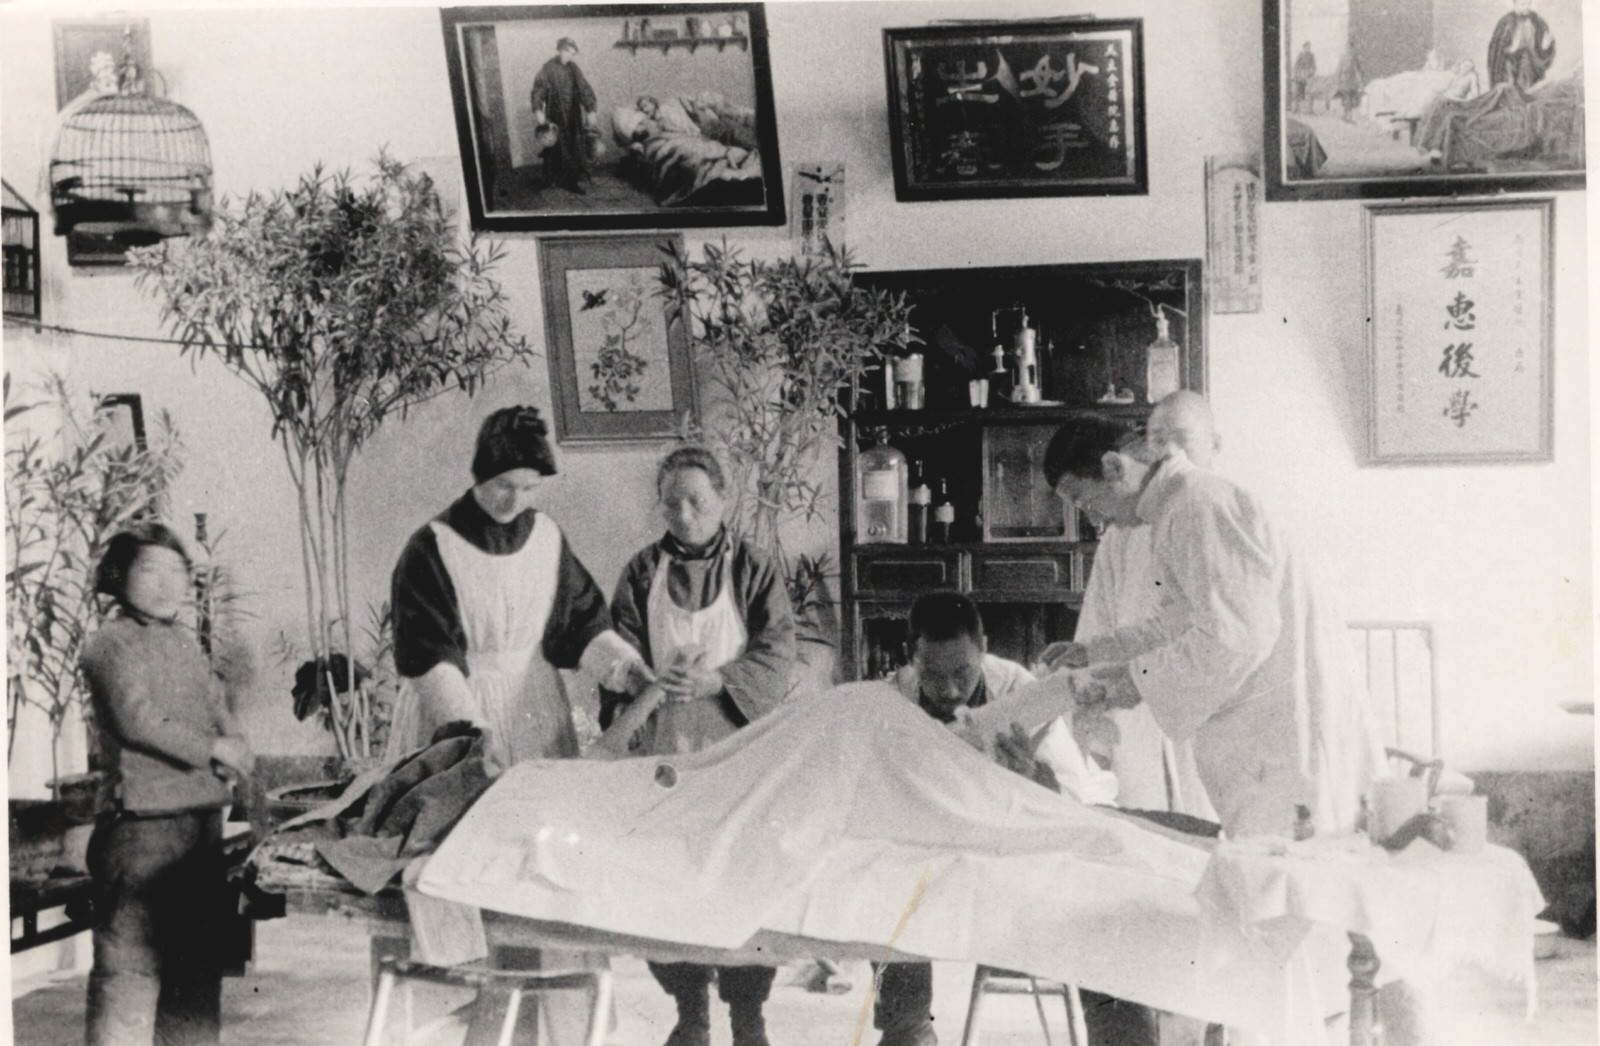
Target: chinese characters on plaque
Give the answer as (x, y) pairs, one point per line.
(1017, 109)
(1459, 299)
(817, 211)
(1233, 230)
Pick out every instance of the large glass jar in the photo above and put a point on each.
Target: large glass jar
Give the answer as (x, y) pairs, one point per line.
(881, 482)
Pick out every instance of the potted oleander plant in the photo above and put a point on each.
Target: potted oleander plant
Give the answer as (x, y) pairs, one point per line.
(343, 301)
(71, 483)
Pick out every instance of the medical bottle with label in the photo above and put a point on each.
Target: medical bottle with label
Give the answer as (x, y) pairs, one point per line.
(920, 505)
(881, 483)
(944, 515)
(1161, 377)
(999, 377)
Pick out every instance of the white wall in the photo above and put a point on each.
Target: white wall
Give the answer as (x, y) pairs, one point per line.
(1497, 557)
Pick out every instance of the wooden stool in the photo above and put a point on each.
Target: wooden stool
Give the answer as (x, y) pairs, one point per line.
(987, 980)
(499, 996)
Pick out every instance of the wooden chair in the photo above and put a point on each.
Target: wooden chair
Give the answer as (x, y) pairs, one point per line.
(987, 980)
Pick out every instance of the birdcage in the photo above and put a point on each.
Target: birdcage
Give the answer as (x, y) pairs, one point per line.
(129, 169)
(21, 246)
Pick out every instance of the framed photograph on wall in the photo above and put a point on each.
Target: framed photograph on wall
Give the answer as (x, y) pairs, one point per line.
(632, 116)
(983, 110)
(1460, 340)
(89, 51)
(1411, 98)
(619, 368)
(122, 413)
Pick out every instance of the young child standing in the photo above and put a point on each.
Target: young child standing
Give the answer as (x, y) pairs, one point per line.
(155, 855)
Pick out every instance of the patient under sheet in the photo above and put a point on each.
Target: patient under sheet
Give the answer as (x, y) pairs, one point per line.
(851, 817)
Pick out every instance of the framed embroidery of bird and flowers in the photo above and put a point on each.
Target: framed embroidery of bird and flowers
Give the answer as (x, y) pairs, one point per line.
(619, 364)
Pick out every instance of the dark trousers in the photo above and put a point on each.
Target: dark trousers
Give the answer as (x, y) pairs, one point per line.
(905, 1000)
(743, 988)
(161, 903)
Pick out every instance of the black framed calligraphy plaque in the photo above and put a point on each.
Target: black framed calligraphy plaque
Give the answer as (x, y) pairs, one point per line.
(984, 110)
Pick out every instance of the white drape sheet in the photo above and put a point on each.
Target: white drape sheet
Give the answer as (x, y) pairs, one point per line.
(850, 816)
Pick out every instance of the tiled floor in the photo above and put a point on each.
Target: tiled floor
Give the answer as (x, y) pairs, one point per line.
(308, 988)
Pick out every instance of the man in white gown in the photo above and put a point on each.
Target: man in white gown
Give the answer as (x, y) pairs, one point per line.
(1243, 656)
(1153, 772)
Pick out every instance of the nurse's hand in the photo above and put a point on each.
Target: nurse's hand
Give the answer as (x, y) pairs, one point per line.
(1057, 656)
(637, 678)
(690, 682)
(1018, 753)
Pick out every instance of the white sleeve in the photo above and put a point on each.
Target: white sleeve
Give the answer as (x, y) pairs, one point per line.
(1107, 600)
(1218, 553)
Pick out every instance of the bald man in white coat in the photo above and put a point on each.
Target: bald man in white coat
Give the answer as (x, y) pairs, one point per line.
(1153, 772)
(1244, 655)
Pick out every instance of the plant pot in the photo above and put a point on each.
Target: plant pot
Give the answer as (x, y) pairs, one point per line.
(82, 796)
(45, 840)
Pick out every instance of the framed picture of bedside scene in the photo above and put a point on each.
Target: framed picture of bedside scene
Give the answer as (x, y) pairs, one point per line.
(1386, 98)
(983, 110)
(627, 116)
(619, 365)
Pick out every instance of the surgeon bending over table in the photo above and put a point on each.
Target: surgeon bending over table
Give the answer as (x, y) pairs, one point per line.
(1244, 655)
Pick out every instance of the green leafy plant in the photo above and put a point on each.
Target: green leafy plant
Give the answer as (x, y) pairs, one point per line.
(68, 491)
(778, 342)
(343, 303)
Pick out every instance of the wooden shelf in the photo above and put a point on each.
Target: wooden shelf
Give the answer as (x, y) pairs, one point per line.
(1009, 414)
(1098, 318)
(693, 43)
(1031, 545)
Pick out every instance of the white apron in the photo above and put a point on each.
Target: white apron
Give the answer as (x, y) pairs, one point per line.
(504, 603)
(717, 631)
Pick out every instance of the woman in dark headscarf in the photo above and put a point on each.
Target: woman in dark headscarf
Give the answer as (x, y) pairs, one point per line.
(489, 602)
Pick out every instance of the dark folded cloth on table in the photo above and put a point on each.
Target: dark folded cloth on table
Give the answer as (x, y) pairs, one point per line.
(407, 811)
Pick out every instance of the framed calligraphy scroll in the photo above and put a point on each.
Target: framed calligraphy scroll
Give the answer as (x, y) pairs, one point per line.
(983, 110)
(1459, 297)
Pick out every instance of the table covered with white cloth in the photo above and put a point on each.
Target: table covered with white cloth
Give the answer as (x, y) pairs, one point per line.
(1425, 911)
(851, 823)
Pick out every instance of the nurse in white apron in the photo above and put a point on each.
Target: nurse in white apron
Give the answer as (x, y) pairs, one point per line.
(489, 602)
(712, 616)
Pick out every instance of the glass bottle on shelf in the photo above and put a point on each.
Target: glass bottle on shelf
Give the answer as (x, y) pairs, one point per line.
(1161, 376)
(920, 504)
(944, 515)
(999, 377)
(881, 494)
